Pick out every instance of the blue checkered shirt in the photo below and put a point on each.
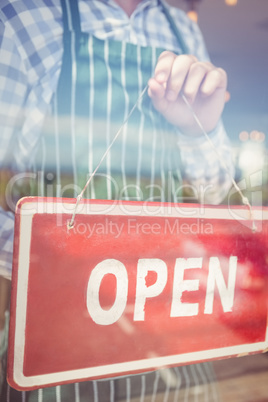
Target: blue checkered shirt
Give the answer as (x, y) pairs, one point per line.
(31, 50)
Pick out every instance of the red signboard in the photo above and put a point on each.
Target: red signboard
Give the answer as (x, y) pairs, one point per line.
(133, 287)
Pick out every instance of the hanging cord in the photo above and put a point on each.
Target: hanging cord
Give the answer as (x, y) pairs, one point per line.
(245, 200)
(70, 224)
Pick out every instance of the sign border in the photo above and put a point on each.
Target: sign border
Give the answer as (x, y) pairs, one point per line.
(26, 209)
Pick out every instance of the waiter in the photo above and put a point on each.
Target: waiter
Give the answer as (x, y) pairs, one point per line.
(70, 73)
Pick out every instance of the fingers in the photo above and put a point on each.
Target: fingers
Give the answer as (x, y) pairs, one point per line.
(170, 74)
(179, 76)
(215, 79)
(184, 73)
(198, 72)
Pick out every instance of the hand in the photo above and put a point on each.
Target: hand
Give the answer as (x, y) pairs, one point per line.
(203, 85)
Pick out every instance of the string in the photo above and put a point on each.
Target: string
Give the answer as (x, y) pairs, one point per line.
(245, 200)
(70, 224)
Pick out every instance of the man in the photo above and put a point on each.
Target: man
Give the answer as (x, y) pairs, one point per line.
(69, 74)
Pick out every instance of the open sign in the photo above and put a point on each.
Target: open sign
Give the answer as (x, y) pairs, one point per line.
(133, 287)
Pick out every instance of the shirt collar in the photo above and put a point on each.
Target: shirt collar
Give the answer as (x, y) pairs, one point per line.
(141, 4)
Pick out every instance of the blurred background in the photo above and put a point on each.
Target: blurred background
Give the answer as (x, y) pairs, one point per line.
(236, 34)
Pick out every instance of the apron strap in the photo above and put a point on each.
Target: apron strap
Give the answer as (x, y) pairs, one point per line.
(71, 16)
(175, 28)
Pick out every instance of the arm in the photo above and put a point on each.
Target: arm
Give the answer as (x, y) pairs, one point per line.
(13, 89)
(204, 86)
(28, 76)
(6, 243)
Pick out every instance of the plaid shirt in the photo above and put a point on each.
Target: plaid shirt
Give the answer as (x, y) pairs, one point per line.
(30, 61)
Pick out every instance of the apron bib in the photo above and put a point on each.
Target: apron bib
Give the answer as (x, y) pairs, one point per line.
(100, 82)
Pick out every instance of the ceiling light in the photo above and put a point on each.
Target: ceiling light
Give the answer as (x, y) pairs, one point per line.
(244, 136)
(192, 14)
(227, 96)
(231, 2)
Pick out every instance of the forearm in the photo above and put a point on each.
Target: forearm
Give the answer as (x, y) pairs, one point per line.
(207, 167)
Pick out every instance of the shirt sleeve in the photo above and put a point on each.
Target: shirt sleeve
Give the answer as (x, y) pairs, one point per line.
(12, 93)
(28, 75)
(30, 61)
(6, 243)
(208, 165)
(13, 90)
